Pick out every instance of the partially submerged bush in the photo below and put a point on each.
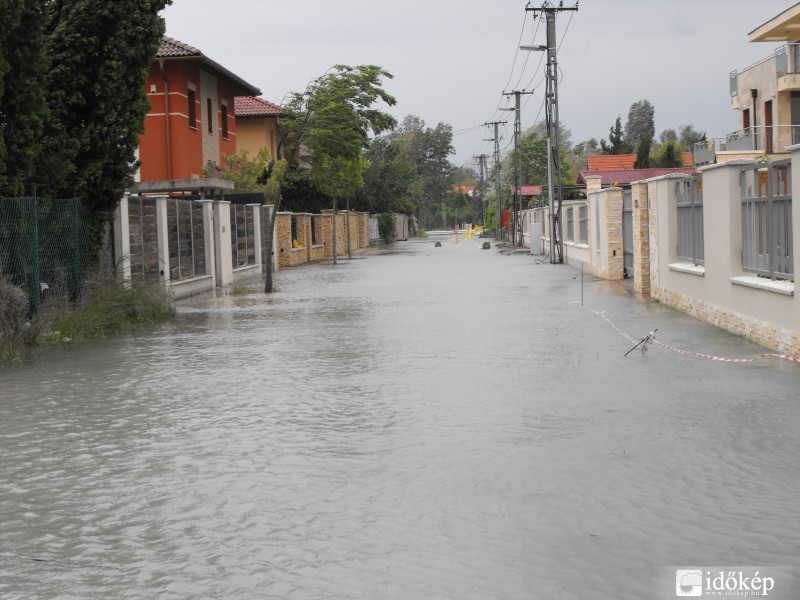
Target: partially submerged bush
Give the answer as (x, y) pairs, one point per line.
(108, 308)
(13, 310)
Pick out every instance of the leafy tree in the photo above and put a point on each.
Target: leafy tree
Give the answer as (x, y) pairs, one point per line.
(333, 118)
(99, 54)
(668, 135)
(247, 175)
(533, 151)
(616, 140)
(564, 134)
(670, 156)
(4, 67)
(580, 154)
(643, 153)
(388, 178)
(23, 68)
(429, 150)
(640, 124)
(689, 136)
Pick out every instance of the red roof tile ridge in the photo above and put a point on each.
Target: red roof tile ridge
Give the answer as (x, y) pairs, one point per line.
(255, 106)
(183, 49)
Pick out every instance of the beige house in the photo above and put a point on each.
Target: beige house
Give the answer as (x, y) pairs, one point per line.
(765, 96)
(257, 125)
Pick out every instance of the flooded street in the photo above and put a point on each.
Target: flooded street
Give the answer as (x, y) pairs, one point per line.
(436, 423)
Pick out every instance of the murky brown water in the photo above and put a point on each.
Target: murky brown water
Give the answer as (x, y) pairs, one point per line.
(422, 423)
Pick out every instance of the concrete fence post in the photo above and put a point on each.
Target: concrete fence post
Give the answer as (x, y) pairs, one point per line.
(122, 240)
(222, 247)
(209, 240)
(162, 235)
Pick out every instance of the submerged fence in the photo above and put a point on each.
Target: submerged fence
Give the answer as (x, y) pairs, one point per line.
(44, 248)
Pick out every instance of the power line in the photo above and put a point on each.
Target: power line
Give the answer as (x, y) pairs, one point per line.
(499, 214)
(555, 184)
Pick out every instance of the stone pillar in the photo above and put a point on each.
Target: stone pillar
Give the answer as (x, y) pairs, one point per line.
(122, 240)
(283, 239)
(608, 261)
(641, 239)
(652, 237)
(593, 183)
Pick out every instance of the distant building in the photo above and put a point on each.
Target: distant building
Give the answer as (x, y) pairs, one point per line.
(617, 170)
(191, 119)
(765, 96)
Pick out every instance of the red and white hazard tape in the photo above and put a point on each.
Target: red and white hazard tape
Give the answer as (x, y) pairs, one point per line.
(651, 339)
(728, 360)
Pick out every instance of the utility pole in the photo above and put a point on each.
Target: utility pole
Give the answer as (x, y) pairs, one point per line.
(517, 226)
(498, 222)
(482, 163)
(555, 185)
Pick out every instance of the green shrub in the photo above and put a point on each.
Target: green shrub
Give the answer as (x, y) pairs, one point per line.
(387, 227)
(108, 308)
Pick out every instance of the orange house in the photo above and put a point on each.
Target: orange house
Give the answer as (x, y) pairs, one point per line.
(191, 121)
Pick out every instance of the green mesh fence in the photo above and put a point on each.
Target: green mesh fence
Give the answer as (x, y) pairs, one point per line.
(44, 248)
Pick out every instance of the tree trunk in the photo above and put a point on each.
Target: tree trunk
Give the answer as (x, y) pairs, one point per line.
(347, 218)
(334, 230)
(269, 237)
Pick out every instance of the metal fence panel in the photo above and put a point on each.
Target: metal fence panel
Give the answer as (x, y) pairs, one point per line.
(691, 244)
(243, 236)
(767, 219)
(583, 224)
(44, 248)
(627, 232)
(143, 226)
(570, 225)
(186, 232)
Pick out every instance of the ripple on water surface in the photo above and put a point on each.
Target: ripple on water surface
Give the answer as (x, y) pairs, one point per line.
(415, 424)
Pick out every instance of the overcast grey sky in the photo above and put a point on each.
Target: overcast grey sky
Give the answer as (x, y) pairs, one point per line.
(453, 59)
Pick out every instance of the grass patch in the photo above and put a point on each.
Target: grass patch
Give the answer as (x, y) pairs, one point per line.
(108, 309)
(242, 288)
(421, 233)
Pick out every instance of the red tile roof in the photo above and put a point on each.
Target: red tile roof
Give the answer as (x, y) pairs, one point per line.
(248, 106)
(172, 48)
(614, 162)
(464, 189)
(610, 162)
(527, 190)
(628, 176)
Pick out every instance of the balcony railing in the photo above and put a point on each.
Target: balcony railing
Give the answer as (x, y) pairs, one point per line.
(767, 140)
(787, 62)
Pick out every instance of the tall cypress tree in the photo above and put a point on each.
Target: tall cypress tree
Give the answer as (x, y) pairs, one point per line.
(643, 153)
(5, 14)
(23, 109)
(100, 52)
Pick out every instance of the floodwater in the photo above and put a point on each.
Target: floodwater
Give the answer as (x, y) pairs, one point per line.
(419, 423)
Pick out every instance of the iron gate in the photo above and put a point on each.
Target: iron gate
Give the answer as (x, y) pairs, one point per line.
(627, 232)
